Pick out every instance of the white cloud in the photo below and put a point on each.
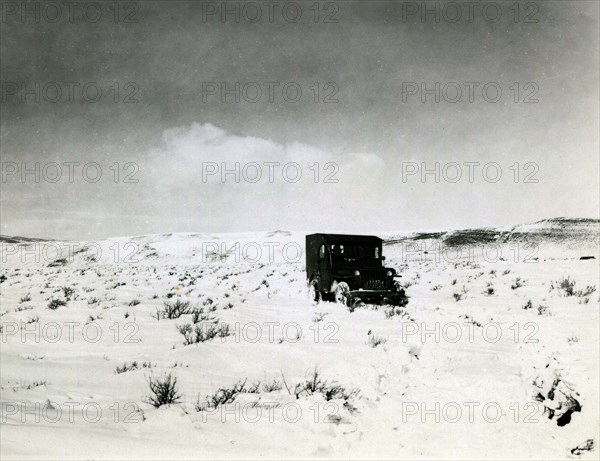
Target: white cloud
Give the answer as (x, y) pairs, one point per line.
(266, 185)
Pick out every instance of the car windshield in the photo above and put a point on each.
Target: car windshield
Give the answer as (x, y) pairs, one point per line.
(354, 251)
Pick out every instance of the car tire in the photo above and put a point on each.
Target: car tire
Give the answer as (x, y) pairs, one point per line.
(314, 294)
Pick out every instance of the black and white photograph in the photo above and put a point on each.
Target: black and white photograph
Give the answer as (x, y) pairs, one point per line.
(308, 230)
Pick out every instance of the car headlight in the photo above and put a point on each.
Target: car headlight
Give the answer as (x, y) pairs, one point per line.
(389, 273)
(357, 273)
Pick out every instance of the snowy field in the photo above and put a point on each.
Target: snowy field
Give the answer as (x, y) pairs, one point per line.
(495, 355)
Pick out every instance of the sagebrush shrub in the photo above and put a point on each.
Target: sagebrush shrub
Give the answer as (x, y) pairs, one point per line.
(375, 341)
(568, 287)
(173, 310)
(67, 292)
(518, 283)
(56, 303)
(329, 391)
(126, 367)
(163, 391)
(585, 292)
(203, 333)
(225, 395)
(25, 298)
(196, 315)
(273, 386)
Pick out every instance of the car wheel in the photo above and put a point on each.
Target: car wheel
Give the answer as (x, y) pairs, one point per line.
(342, 293)
(313, 291)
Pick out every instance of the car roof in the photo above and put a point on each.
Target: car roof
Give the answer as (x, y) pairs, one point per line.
(347, 238)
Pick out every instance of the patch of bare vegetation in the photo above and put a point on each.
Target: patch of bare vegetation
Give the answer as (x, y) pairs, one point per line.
(163, 391)
(567, 287)
(203, 332)
(173, 310)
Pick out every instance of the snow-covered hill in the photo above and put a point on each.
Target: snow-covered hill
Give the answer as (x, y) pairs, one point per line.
(495, 356)
(557, 235)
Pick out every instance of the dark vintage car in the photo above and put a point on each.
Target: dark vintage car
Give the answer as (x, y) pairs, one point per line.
(349, 269)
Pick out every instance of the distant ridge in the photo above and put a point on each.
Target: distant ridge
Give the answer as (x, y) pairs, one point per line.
(17, 239)
(561, 231)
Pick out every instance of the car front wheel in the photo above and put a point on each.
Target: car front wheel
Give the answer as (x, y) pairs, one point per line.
(342, 293)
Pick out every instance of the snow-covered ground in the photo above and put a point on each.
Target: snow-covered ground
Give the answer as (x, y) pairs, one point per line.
(491, 358)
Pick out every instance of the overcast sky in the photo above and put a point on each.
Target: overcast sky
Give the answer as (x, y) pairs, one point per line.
(373, 136)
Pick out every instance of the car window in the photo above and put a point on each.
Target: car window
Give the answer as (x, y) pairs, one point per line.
(354, 250)
(337, 250)
(322, 252)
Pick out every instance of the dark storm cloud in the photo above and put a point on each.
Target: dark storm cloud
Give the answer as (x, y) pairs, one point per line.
(367, 56)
